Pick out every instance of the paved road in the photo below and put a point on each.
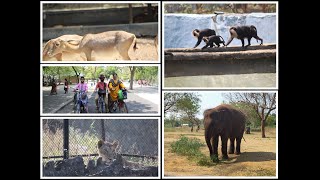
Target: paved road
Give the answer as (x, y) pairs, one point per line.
(144, 99)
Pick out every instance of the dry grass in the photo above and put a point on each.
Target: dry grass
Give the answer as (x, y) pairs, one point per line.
(146, 52)
(258, 156)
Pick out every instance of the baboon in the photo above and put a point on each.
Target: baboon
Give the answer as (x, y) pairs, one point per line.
(213, 39)
(242, 32)
(199, 34)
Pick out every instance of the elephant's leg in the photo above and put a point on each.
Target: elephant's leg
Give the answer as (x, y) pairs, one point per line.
(231, 147)
(238, 145)
(224, 142)
(208, 141)
(215, 146)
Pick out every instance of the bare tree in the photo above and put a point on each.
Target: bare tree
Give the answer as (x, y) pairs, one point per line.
(262, 103)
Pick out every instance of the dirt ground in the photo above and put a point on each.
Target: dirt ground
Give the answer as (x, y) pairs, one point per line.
(146, 52)
(258, 156)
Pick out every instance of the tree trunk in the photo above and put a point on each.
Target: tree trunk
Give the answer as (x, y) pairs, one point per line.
(94, 72)
(131, 76)
(58, 75)
(263, 129)
(76, 74)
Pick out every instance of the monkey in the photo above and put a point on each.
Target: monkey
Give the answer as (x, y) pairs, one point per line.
(199, 34)
(213, 39)
(242, 32)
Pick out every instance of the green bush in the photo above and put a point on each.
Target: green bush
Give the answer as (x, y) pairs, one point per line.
(187, 147)
(190, 147)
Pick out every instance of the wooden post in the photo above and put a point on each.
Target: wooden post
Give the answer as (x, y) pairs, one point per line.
(130, 14)
(150, 14)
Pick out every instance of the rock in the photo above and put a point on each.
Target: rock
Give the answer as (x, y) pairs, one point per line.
(75, 167)
(90, 167)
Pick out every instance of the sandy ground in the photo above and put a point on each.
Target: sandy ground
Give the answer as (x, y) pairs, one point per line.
(258, 157)
(146, 52)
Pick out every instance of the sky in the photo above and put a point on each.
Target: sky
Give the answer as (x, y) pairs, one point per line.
(209, 100)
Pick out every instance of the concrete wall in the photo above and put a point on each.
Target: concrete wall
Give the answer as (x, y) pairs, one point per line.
(89, 16)
(178, 27)
(149, 29)
(218, 67)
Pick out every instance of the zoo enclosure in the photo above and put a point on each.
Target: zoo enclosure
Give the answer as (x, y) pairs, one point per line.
(64, 138)
(139, 19)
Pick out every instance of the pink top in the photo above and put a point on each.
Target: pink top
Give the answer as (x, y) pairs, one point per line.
(82, 87)
(100, 85)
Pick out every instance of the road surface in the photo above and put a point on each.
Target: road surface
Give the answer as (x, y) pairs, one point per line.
(145, 99)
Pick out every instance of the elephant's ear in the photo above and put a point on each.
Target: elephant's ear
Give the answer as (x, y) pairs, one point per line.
(215, 116)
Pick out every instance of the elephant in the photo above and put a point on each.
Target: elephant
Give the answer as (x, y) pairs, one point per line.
(228, 123)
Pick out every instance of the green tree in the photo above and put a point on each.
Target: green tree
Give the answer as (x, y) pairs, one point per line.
(149, 73)
(189, 106)
(56, 72)
(111, 70)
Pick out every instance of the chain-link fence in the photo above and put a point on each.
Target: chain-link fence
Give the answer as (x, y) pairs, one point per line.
(63, 138)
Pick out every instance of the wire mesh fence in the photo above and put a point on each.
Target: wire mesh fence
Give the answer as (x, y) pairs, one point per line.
(63, 139)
